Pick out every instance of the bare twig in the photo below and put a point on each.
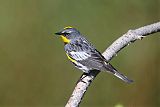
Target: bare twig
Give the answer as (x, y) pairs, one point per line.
(109, 53)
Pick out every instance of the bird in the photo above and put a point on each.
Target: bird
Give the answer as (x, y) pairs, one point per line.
(84, 55)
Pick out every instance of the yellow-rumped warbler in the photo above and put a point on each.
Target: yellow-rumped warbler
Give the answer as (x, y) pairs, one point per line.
(84, 55)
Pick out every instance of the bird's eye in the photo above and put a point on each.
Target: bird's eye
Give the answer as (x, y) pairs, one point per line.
(65, 33)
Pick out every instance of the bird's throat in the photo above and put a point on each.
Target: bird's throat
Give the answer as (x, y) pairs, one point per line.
(65, 40)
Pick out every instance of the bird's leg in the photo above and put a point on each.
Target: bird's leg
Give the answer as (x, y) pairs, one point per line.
(82, 77)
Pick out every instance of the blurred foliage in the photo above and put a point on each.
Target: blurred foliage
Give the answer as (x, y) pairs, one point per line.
(34, 70)
(118, 105)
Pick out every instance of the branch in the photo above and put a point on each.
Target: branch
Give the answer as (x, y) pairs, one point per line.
(126, 39)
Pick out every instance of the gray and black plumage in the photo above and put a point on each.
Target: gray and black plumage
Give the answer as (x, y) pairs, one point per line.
(84, 55)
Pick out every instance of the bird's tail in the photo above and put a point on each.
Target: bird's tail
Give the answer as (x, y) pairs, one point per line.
(111, 69)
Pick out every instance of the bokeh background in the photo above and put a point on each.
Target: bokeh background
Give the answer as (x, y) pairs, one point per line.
(34, 71)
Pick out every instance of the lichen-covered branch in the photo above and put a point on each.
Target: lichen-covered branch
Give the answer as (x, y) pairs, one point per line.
(109, 53)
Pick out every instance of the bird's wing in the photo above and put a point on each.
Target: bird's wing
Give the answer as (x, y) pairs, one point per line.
(85, 53)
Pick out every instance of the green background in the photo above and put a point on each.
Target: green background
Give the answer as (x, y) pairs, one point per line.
(34, 71)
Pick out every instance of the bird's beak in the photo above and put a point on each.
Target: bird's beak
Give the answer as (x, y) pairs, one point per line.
(58, 33)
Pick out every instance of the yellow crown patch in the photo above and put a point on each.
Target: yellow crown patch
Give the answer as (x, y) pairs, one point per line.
(68, 27)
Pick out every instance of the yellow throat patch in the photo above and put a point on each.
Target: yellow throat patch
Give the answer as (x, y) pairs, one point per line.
(65, 40)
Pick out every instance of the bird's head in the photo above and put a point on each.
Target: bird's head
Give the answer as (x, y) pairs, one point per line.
(68, 34)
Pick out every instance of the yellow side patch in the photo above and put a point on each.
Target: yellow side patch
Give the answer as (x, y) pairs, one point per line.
(68, 27)
(72, 60)
(65, 40)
